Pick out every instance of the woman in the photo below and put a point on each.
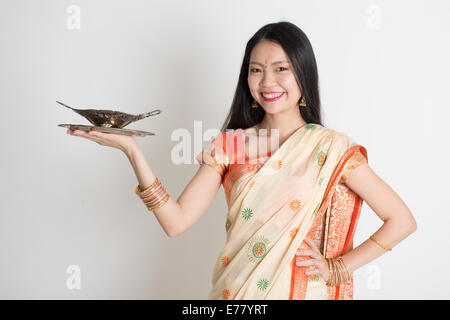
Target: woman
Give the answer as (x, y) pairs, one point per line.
(292, 211)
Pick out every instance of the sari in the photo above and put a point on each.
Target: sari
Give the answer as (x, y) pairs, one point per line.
(274, 201)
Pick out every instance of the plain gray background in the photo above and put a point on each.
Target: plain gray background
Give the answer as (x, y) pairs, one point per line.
(384, 75)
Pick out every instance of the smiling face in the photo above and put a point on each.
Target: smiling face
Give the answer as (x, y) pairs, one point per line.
(271, 78)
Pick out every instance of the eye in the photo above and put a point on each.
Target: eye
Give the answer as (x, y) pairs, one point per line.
(282, 68)
(253, 70)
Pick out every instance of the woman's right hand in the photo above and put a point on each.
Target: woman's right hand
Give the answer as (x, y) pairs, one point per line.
(122, 142)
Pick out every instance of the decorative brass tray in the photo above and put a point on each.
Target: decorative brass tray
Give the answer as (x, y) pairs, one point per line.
(128, 132)
(109, 121)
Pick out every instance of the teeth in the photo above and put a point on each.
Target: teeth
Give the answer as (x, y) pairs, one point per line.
(272, 95)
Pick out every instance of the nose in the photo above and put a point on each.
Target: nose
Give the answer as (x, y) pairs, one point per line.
(267, 79)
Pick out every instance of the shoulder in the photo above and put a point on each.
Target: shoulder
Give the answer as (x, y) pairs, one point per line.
(329, 134)
(339, 136)
(227, 135)
(347, 146)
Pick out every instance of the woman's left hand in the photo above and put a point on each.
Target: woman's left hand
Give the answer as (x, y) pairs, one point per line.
(118, 141)
(317, 260)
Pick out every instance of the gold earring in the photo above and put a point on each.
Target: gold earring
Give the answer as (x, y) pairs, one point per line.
(254, 104)
(302, 102)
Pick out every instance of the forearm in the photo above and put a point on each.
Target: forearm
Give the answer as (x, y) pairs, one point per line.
(168, 215)
(392, 232)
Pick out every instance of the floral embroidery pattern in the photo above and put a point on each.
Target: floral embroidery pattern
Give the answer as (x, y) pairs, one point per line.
(228, 224)
(293, 233)
(247, 213)
(295, 205)
(263, 284)
(257, 248)
(226, 294)
(225, 260)
(313, 277)
(250, 185)
(321, 157)
(320, 181)
(310, 126)
(277, 164)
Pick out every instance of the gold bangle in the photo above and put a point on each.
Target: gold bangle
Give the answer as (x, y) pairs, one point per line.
(161, 204)
(139, 191)
(154, 196)
(330, 272)
(345, 275)
(338, 272)
(334, 279)
(380, 244)
(158, 200)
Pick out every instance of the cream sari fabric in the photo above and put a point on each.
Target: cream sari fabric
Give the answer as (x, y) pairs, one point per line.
(272, 206)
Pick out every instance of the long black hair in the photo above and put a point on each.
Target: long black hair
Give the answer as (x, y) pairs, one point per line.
(299, 50)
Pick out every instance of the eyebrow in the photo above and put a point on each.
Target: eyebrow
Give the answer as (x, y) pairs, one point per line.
(281, 61)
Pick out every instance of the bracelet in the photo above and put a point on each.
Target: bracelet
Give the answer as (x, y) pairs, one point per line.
(344, 274)
(151, 186)
(155, 196)
(330, 271)
(380, 244)
(338, 272)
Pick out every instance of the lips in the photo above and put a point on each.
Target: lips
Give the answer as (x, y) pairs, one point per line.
(271, 96)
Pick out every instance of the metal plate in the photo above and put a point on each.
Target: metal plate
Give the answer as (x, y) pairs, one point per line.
(87, 128)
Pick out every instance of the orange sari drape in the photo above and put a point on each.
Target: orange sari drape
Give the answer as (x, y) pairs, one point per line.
(334, 227)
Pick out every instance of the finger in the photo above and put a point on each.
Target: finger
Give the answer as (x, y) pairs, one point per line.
(309, 253)
(312, 272)
(306, 263)
(84, 134)
(81, 133)
(94, 133)
(101, 135)
(312, 244)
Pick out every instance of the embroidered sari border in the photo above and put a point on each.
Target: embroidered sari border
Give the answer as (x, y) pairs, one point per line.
(331, 186)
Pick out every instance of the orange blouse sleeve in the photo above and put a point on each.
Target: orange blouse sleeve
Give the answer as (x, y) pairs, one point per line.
(356, 160)
(214, 156)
